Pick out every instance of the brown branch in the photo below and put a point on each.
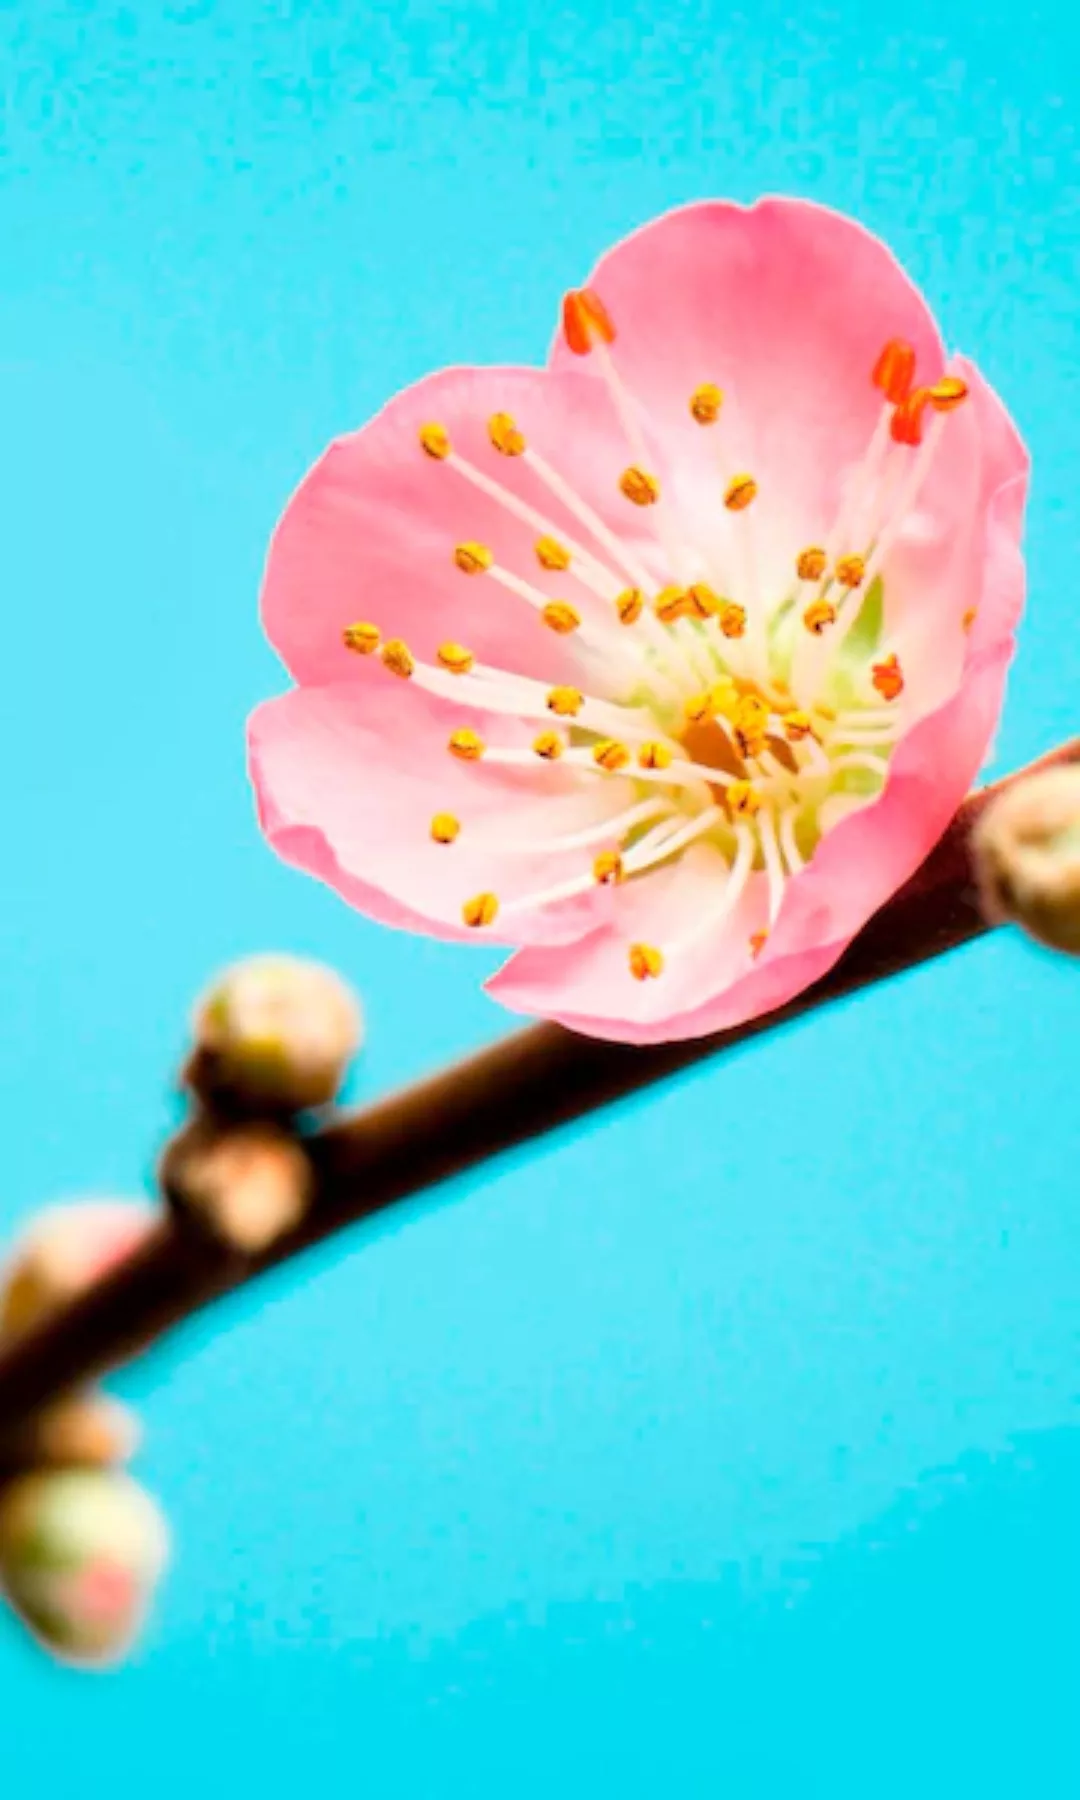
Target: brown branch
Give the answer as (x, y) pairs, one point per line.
(523, 1086)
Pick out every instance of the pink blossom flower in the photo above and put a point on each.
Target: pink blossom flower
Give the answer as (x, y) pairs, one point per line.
(665, 665)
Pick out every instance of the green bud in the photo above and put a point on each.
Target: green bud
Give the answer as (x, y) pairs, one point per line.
(1027, 857)
(81, 1554)
(275, 1034)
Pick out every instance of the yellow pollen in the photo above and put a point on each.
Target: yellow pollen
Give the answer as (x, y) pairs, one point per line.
(549, 745)
(670, 604)
(705, 403)
(646, 962)
(445, 828)
(724, 698)
(758, 942)
(550, 554)
(969, 618)
(466, 744)
(733, 620)
(473, 559)
(561, 616)
(654, 756)
(810, 565)
(797, 726)
(850, 570)
(699, 708)
(702, 601)
(566, 701)
(435, 441)
(639, 486)
(819, 615)
(505, 436)
(481, 910)
(361, 638)
(608, 867)
(630, 605)
(743, 799)
(888, 678)
(456, 658)
(741, 490)
(610, 754)
(948, 393)
(398, 658)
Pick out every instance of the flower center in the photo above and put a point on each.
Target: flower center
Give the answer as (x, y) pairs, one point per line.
(736, 721)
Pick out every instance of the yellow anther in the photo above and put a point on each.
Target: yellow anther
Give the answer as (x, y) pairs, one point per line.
(639, 486)
(797, 725)
(670, 604)
(969, 618)
(435, 441)
(758, 942)
(698, 709)
(566, 701)
(828, 713)
(702, 601)
(850, 570)
(482, 909)
(741, 490)
(810, 564)
(550, 554)
(654, 756)
(629, 605)
(610, 754)
(561, 616)
(888, 678)
(445, 828)
(733, 620)
(466, 744)
(608, 867)
(743, 799)
(363, 639)
(819, 615)
(948, 393)
(646, 962)
(456, 658)
(750, 721)
(549, 745)
(705, 403)
(473, 559)
(398, 658)
(505, 436)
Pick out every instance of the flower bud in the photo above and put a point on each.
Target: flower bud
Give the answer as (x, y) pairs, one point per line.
(81, 1553)
(64, 1250)
(1027, 857)
(247, 1183)
(274, 1034)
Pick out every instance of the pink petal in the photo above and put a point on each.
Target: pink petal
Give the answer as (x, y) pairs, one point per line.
(349, 777)
(370, 534)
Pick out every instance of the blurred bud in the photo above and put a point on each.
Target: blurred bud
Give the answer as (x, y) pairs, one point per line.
(248, 1184)
(1027, 857)
(274, 1034)
(81, 1431)
(63, 1251)
(81, 1553)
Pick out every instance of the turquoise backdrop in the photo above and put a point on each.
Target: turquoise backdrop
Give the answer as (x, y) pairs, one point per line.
(726, 1447)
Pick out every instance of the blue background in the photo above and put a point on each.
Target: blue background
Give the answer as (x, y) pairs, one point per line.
(726, 1446)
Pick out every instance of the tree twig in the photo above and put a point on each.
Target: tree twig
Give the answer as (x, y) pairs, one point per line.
(522, 1087)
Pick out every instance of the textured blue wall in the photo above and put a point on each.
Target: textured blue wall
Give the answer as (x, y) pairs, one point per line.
(726, 1447)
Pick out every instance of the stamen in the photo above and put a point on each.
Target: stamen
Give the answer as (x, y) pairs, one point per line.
(670, 604)
(483, 909)
(654, 755)
(586, 321)
(730, 895)
(850, 570)
(473, 559)
(549, 745)
(619, 552)
(969, 618)
(561, 617)
(888, 677)
(565, 701)
(705, 403)
(505, 436)
(455, 658)
(907, 420)
(774, 868)
(704, 603)
(743, 799)
(629, 606)
(435, 441)
(639, 486)
(611, 755)
(616, 827)
(608, 868)
(894, 371)
(466, 744)
(646, 962)
(550, 554)
(792, 854)
(758, 941)
(797, 726)
(819, 615)
(751, 723)
(948, 393)
(362, 638)
(741, 491)
(733, 620)
(445, 828)
(811, 563)
(398, 658)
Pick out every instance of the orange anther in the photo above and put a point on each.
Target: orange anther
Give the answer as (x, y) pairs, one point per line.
(948, 393)
(906, 425)
(586, 321)
(505, 436)
(646, 962)
(811, 563)
(608, 867)
(639, 486)
(741, 490)
(894, 371)
(888, 678)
